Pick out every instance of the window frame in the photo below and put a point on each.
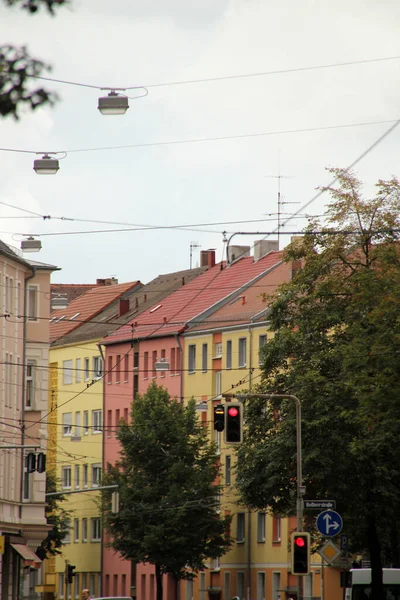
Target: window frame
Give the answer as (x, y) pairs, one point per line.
(32, 302)
(229, 354)
(66, 477)
(98, 367)
(96, 475)
(242, 352)
(86, 368)
(261, 346)
(191, 359)
(30, 384)
(97, 421)
(68, 372)
(78, 371)
(261, 527)
(204, 358)
(240, 527)
(67, 424)
(95, 523)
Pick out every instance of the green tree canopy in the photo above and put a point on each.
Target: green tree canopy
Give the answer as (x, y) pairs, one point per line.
(18, 70)
(166, 477)
(336, 347)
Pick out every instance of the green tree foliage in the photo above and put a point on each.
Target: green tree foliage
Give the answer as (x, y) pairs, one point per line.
(58, 518)
(336, 347)
(18, 69)
(166, 478)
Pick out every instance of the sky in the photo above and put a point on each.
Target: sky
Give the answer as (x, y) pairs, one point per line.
(125, 43)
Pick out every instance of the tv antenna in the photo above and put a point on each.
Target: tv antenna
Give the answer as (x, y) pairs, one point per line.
(280, 200)
(192, 246)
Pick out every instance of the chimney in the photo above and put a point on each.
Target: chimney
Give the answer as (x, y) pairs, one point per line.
(123, 306)
(263, 247)
(100, 282)
(207, 258)
(235, 252)
(108, 281)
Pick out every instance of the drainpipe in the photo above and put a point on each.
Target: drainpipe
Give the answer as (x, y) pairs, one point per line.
(249, 531)
(178, 341)
(103, 441)
(25, 317)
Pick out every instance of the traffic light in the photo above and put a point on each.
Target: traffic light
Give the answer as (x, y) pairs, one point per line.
(70, 573)
(300, 553)
(31, 462)
(219, 417)
(233, 423)
(41, 462)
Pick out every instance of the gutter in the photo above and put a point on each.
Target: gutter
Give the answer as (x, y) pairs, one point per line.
(103, 442)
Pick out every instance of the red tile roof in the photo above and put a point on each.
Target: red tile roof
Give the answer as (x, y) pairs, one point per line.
(86, 307)
(171, 314)
(70, 290)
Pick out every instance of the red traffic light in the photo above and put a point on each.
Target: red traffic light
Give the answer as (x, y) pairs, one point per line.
(233, 411)
(299, 541)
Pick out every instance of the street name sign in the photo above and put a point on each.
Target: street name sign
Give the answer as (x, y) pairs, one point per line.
(329, 523)
(320, 504)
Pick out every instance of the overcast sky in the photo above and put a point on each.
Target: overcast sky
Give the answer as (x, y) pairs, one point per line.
(132, 42)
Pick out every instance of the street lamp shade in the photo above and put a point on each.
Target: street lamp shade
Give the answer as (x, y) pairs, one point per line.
(46, 165)
(31, 245)
(113, 104)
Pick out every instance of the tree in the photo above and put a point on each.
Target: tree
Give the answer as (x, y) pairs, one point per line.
(18, 69)
(336, 347)
(166, 478)
(57, 517)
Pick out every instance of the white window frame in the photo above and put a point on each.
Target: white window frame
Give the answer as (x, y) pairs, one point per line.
(85, 422)
(262, 341)
(218, 383)
(227, 585)
(261, 527)
(77, 477)
(192, 358)
(85, 476)
(84, 530)
(68, 372)
(78, 429)
(96, 475)
(30, 385)
(67, 424)
(86, 368)
(95, 534)
(240, 527)
(76, 530)
(218, 350)
(189, 589)
(32, 304)
(78, 371)
(242, 352)
(240, 593)
(66, 478)
(97, 367)
(202, 586)
(261, 585)
(276, 585)
(204, 358)
(97, 422)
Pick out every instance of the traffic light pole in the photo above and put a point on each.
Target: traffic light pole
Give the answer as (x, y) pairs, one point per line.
(299, 470)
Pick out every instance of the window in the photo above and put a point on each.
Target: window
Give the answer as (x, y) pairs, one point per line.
(136, 360)
(118, 368)
(117, 417)
(97, 367)
(229, 354)
(85, 422)
(78, 424)
(78, 370)
(261, 520)
(153, 363)
(308, 585)
(96, 421)
(126, 368)
(227, 470)
(123, 584)
(218, 383)
(76, 585)
(262, 340)
(30, 384)
(204, 358)
(92, 583)
(32, 302)
(109, 369)
(218, 350)
(135, 385)
(202, 586)
(84, 530)
(96, 475)
(276, 529)
(146, 365)
(172, 365)
(67, 372)
(85, 476)
(260, 586)
(86, 369)
(242, 352)
(126, 416)
(19, 299)
(192, 358)
(240, 585)
(240, 525)
(178, 361)
(76, 530)
(96, 532)
(66, 477)
(189, 590)
(67, 424)
(276, 586)
(61, 585)
(77, 477)
(227, 586)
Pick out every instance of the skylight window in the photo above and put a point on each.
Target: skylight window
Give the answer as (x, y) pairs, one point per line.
(155, 308)
(74, 316)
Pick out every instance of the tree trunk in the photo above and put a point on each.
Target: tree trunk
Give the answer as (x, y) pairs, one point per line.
(394, 542)
(376, 560)
(159, 583)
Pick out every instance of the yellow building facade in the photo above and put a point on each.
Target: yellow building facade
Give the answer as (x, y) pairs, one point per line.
(78, 462)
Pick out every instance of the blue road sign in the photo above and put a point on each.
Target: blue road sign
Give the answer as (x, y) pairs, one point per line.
(329, 523)
(344, 542)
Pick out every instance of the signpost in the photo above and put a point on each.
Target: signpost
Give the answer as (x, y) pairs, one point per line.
(329, 523)
(320, 504)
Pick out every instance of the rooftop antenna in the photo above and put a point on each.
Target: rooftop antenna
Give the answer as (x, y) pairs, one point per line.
(192, 246)
(281, 203)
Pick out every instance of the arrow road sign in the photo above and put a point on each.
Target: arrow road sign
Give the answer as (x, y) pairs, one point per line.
(329, 523)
